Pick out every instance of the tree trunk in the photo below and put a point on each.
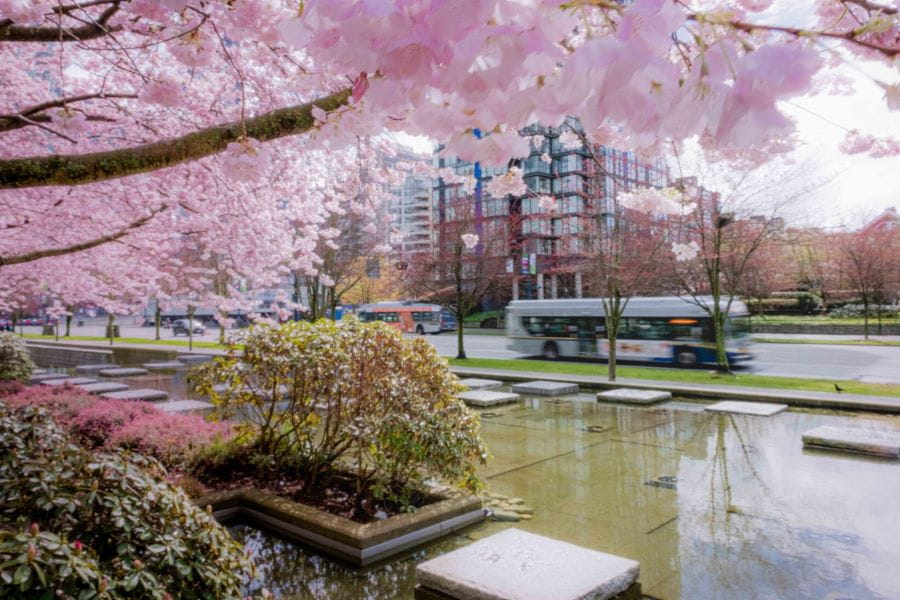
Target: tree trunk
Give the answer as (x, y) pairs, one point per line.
(157, 318)
(718, 319)
(190, 324)
(21, 324)
(68, 325)
(865, 318)
(612, 335)
(110, 329)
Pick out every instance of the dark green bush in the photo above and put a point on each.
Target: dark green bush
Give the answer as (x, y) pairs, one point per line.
(79, 524)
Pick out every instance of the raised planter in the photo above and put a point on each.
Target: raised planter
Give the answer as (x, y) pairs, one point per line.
(360, 544)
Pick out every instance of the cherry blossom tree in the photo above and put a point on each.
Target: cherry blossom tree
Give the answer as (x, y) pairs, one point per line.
(116, 114)
(869, 264)
(817, 264)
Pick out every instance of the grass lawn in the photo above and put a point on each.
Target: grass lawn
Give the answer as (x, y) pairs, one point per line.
(820, 320)
(125, 340)
(681, 376)
(765, 340)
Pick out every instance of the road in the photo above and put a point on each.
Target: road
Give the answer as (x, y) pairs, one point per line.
(874, 364)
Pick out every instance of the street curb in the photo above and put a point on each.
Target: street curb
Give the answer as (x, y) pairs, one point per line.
(880, 404)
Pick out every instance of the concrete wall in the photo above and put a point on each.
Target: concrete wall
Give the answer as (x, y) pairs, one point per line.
(47, 354)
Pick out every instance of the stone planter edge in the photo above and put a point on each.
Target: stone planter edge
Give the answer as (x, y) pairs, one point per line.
(360, 544)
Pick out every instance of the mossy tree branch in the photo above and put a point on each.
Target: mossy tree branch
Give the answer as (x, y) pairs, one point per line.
(78, 169)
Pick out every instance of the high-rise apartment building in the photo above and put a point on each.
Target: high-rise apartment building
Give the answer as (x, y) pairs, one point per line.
(548, 250)
(410, 207)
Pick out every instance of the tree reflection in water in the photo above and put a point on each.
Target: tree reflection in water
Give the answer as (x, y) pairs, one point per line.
(291, 571)
(744, 539)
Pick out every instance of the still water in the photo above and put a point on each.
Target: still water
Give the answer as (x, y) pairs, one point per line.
(712, 506)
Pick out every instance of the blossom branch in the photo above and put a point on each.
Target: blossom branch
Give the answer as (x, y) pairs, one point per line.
(77, 169)
(38, 254)
(10, 32)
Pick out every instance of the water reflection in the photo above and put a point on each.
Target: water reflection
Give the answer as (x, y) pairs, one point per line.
(745, 512)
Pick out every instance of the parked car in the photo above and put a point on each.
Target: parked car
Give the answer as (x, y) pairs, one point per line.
(182, 325)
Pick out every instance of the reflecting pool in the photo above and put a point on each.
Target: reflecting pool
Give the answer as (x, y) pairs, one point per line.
(712, 506)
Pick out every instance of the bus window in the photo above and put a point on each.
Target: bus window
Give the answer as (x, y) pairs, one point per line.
(388, 317)
(366, 317)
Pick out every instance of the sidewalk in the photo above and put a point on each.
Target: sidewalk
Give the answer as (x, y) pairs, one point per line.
(825, 336)
(830, 400)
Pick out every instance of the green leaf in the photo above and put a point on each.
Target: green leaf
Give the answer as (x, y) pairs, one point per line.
(23, 574)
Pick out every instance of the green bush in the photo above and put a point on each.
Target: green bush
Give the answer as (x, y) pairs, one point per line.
(78, 524)
(15, 362)
(330, 397)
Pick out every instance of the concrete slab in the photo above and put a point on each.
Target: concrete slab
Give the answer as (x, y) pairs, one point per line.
(47, 377)
(487, 398)
(759, 409)
(103, 387)
(185, 406)
(876, 442)
(123, 372)
(69, 381)
(39, 371)
(194, 358)
(164, 366)
(545, 388)
(474, 383)
(633, 396)
(526, 566)
(144, 394)
(94, 368)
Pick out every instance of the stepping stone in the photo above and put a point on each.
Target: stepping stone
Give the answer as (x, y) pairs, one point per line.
(163, 366)
(487, 398)
(69, 381)
(145, 394)
(877, 442)
(39, 371)
(760, 409)
(473, 383)
(525, 566)
(184, 406)
(47, 377)
(633, 396)
(545, 388)
(102, 387)
(94, 368)
(123, 372)
(194, 358)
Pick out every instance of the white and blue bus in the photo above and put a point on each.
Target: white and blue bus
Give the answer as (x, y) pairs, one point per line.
(659, 330)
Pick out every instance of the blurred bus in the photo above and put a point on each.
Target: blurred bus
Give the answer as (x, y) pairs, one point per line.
(667, 330)
(408, 317)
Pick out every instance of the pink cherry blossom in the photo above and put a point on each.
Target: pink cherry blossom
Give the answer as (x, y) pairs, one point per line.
(469, 240)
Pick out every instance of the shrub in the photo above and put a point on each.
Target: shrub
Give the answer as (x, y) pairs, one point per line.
(15, 362)
(79, 524)
(329, 396)
(859, 310)
(109, 424)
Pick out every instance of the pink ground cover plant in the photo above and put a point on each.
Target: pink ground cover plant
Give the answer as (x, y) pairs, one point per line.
(101, 423)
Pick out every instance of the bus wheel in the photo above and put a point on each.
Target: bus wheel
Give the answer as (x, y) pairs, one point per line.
(685, 358)
(551, 351)
(420, 330)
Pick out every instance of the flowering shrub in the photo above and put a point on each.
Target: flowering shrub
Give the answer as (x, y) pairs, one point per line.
(79, 524)
(15, 362)
(349, 396)
(109, 424)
